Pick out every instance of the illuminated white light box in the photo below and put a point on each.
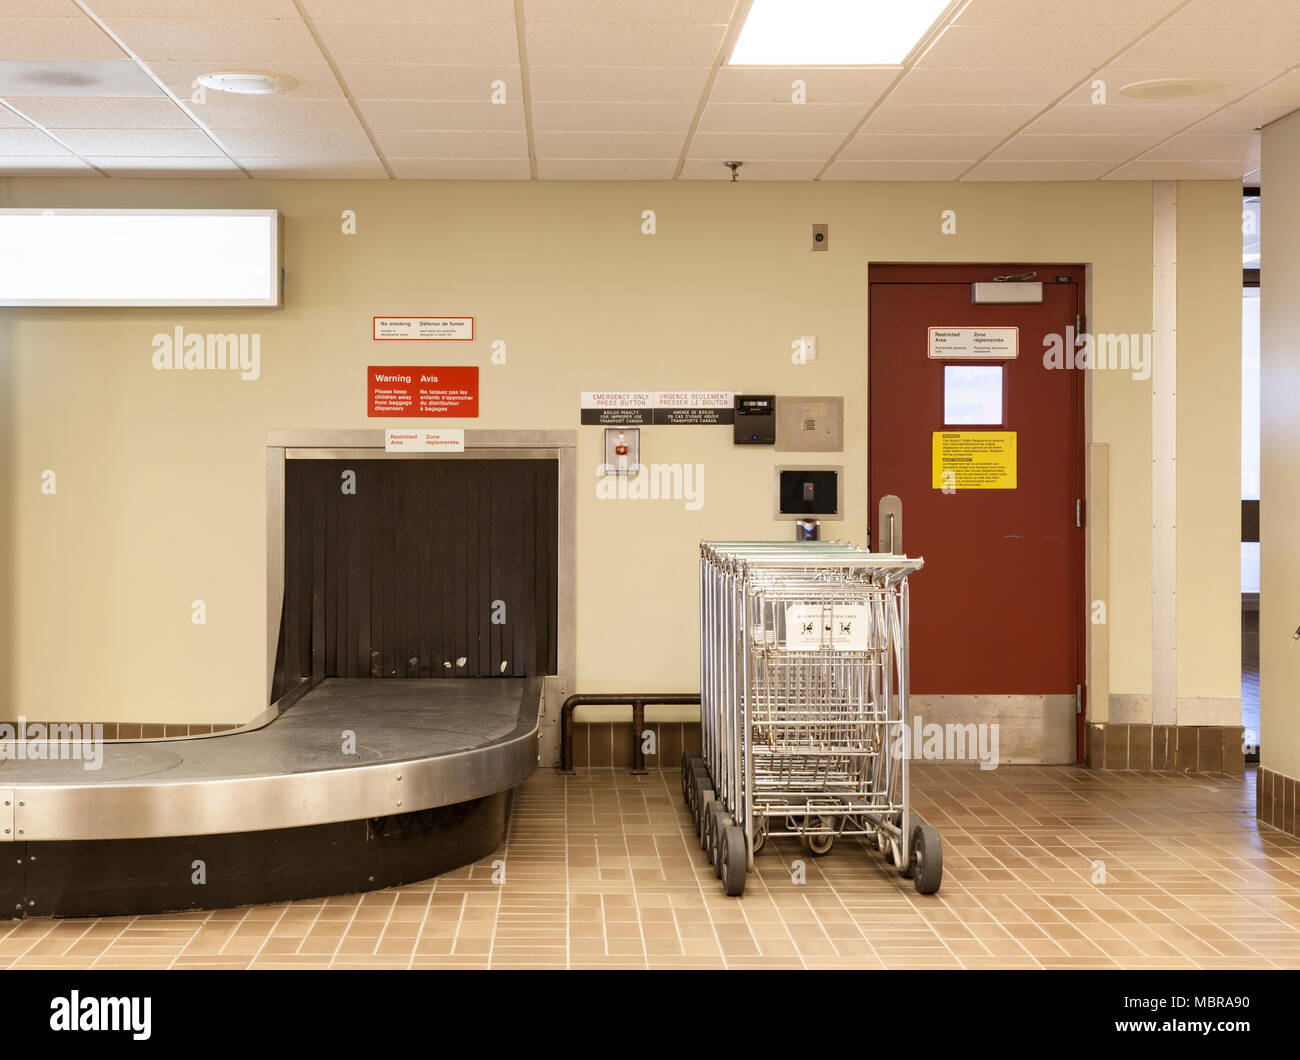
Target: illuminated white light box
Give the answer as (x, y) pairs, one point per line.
(139, 257)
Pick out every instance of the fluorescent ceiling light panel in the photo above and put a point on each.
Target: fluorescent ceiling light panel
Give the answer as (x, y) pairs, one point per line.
(139, 257)
(833, 32)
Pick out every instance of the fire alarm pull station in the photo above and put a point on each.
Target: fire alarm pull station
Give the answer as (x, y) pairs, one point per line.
(622, 450)
(755, 419)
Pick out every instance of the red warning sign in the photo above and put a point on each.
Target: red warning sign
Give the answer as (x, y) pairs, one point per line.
(423, 390)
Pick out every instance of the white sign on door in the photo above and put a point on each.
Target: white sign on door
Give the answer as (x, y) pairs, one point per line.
(973, 344)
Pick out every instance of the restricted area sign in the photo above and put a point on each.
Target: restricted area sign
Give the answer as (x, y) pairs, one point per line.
(422, 390)
(974, 460)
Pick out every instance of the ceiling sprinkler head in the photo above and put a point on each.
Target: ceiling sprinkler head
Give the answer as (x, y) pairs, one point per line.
(733, 166)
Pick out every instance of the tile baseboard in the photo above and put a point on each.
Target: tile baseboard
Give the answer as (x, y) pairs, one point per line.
(1171, 748)
(1275, 800)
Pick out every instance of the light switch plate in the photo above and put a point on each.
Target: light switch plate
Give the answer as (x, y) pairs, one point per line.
(809, 424)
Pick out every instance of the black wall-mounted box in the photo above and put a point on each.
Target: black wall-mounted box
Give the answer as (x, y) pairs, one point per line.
(755, 419)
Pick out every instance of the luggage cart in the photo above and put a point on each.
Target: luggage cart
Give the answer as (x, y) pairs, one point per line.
(803, 706)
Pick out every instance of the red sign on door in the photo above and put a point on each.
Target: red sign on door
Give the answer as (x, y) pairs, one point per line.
(423, 390)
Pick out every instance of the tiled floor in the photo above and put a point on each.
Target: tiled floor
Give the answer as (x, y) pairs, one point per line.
(603, 870)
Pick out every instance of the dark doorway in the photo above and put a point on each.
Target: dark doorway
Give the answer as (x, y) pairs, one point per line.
(418, 568)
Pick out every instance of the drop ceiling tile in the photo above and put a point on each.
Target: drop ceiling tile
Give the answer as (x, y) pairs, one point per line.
(450, 43)
(776, 84)
(442, 114)
(224, 111)
(1244, 117)
(29, 141)
(10, 120)
(423, 81)
(1005, 86)
(606, 168)
(315, 168)
(55, 38)
(1061, 148)
(919, 146)
(1211, 170)
(556, 116)
(762, 145)
(595, 43)
(452, 143)
(968, 47)
(41, 8)
(608, 144)
(414, 10)
(831, 118)
(1256, 13)
(683, 12)
(1038, 170)
(614, 84)
(1064, 12)
(238, 42)
(99, 77)
(44, 166)
(1132, 118)
(1188, 48)
(1194, 146)
(155, 143)
(948, 118)
(71, 112)
(315, 79)
(752, 170)
(165, 167)
(859, 169)
(306, 143)
(460, 168)
(186, 9)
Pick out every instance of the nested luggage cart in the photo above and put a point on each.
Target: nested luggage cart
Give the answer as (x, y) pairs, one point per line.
(803, 706)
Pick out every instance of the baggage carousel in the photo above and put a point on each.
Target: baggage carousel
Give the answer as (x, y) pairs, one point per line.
(361, 784)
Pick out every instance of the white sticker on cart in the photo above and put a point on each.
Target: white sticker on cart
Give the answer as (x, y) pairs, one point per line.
(817, 627)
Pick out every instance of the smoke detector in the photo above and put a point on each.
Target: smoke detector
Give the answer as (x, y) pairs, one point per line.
(247, 82)
(1171, 88)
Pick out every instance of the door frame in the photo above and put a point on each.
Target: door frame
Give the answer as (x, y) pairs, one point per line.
(942, 272)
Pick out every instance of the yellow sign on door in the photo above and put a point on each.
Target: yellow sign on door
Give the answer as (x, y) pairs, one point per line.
(974, 460)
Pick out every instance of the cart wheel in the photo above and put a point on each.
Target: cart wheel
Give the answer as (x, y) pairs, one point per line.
(818, 846)
(760, 835)
(706, 800)
(913, 823)
(927, 859)
(687, 761)
(708, 827)
(719, 821)
(732, 857)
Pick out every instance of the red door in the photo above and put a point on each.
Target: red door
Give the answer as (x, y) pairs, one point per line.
(998, 609)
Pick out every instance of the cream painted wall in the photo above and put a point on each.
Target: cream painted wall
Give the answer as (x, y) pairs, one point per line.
(1209, 460)
(161, 475)
(1279, 509)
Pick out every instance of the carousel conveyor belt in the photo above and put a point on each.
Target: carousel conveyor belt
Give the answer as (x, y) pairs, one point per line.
(418, 744)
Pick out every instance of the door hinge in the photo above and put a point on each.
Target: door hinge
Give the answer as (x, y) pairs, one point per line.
(1078, 699)
(1078, 513)
(1078, 325)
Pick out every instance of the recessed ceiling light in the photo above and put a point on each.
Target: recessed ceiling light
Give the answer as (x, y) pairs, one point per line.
(247, 82)
(1171, 88)
(833, 32)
